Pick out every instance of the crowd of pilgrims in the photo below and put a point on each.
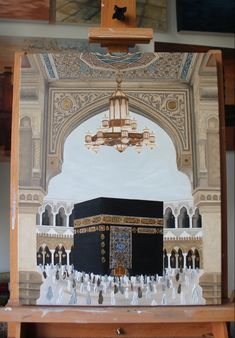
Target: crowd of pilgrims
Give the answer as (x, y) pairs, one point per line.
(62, 285)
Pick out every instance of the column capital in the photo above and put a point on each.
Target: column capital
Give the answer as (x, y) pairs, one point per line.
(207, 197)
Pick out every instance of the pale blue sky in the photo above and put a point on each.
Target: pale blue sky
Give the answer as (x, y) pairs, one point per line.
(151, 175)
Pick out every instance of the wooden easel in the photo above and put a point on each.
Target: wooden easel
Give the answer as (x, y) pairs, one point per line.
(92, 322)
(61, 322)
(119, 35)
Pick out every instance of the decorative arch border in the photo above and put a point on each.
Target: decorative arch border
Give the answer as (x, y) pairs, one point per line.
(69, 108)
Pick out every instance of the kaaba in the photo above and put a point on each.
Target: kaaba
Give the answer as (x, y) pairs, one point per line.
(118, 236)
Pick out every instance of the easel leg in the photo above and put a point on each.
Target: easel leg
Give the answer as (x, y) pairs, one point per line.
(219, 330)
(14, 330)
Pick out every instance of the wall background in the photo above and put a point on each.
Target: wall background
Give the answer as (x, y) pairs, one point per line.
(4, 216)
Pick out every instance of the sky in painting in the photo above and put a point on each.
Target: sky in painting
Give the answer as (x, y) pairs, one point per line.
(150, 175)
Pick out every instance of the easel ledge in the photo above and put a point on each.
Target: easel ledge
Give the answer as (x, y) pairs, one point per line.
(169, 321)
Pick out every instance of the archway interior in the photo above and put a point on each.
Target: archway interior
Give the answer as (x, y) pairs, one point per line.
(150, 175)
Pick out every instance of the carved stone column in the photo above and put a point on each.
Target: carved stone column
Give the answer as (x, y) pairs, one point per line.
(67, 252)
(54, 219)
(185, 255)
(169, 260)
(67, 220)
(176, 214)
(193, 259)
(190, 221)
(29, 279)
(52, 256)
(176, 261)
(208, 201)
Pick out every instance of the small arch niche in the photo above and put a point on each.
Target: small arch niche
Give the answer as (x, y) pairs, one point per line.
(213, 123)
(197, 219)
(173, 259)
(169, 219)
(47, 216)
(25, 122)
(183, 218)
(180, 259)
(197, 259)
(47, 256)
(61, 218)
(189, 259)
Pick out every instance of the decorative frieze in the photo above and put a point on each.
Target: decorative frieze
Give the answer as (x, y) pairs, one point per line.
(114, 219)
(207, 197)
(53, 242)
(31, 197)
(169, 107)
(65, 105)
(150, 66)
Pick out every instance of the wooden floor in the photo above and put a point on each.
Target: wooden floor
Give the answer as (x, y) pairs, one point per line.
(104, 322)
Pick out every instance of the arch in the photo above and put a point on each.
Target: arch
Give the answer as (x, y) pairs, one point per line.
(47, 216)
(197, 219)
(47, 255)
(57, 255)
(173, 259)
(63, 256)
(157, 117)
(169, 219)
(40, 256)
(180, 259)
(25, 122)
(183, 218)
(26, 152)
(60, 218)
(101, 105)
(165, 259)
(197, 259)
(189, 259)
(213, 123)
(71, 256)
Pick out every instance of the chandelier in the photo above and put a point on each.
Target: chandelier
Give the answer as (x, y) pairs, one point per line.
(119, 129)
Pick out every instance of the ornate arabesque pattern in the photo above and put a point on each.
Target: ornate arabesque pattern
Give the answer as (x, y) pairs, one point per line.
(117, 219)
(118, 60)
(166, 105)
(161, 103)
(65, 106)
(120, 247)
(86, 66)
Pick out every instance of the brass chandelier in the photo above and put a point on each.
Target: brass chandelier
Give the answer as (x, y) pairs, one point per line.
(118, 130)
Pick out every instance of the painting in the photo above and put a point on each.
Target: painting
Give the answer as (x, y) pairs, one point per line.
(119, 210)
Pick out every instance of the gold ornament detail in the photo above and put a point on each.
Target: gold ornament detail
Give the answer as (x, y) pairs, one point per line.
(67, 103)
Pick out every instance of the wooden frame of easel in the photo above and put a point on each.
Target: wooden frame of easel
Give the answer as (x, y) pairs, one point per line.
(107, 322)
(44, 321)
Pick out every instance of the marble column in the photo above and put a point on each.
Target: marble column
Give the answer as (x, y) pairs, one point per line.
(68, 252)
(52, 256)
(169, 260)
(54, 219)
(176, 221)
(67, 220)
(60, 256)
(176, 261)
(193, 261)
(184, 255)
(190, 221)
(40, 218)
(43, 257)
(27, 240)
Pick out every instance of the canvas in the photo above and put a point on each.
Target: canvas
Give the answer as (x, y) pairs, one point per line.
(63, 95)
